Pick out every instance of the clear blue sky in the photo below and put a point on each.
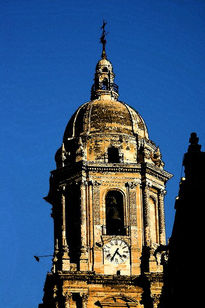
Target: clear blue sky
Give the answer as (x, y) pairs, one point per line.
(49, 49)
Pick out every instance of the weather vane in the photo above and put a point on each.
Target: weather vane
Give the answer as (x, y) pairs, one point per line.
(103, 39)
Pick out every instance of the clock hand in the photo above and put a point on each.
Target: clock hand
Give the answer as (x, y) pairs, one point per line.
(118, 254)
(114, 254)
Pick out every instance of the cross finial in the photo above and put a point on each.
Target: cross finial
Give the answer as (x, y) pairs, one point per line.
(103, 39)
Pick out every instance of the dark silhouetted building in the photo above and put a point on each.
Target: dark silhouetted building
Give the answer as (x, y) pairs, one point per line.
(183, 274)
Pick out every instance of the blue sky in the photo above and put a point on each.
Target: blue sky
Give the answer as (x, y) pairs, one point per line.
(49, 49)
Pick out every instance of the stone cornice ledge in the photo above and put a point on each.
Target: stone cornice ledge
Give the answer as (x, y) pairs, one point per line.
(153, 170)
(91, 277)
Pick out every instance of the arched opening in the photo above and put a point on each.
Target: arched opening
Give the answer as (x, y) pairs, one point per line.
(105, 84)
(105, 69)
(73, 222)
(114, 213)
(113, 155)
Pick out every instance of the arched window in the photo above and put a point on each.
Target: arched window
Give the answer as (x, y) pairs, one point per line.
(113, 155)
(114, 213)
(73, 222)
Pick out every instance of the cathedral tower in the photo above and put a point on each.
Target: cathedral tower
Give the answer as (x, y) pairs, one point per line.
(107, 197)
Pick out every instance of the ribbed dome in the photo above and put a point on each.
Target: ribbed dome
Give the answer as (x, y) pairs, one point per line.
(105, 116)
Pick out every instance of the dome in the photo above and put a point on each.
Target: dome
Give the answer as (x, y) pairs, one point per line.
(105, 116)
(104, 63)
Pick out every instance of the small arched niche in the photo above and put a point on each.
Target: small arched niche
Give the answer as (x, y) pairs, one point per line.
(153, 220)
(114, 213)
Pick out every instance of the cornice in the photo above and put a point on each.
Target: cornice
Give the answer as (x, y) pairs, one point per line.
(157, 172)
(114, 168)
(76, 169)
(93, 278)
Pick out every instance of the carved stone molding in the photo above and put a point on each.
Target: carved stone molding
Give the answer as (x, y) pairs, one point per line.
(84, 182)
(161, 216)
(90, 183)
(96, 202)
(148, 183)
(61, 189)
(84, 297)
(133, 184)
(68, 298)
(95, 183)
(146, 209)
(55, 290)
(162, 192)
(156, 300)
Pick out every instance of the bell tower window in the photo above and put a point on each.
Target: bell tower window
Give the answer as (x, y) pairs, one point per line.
(113, 155)
(105, 84)
(114, 213)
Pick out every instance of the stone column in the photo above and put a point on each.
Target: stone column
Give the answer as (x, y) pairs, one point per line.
(84, 246)
(90, 224)
(68, 297)
(146, 214)
(131, 211)
(55, 216)
(64, 240)
(64, 245)
(55, 296)
(132, 223)
(127, 208)
(96, 202)
(162, 235)
(84, 297)
(156, 300)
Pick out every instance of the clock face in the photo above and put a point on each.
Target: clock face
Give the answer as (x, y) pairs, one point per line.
(116, 251)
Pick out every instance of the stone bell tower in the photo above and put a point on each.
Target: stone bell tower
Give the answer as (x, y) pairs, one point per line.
(107, 197)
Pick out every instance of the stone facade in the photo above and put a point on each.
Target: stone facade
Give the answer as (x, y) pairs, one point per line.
(107, 196)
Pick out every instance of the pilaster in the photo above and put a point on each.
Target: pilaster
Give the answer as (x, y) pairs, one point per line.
(84, 297)
(132, 214)
(84, 231)
(146, 214)
(162, 235)
(64, 252)
(68, 298)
